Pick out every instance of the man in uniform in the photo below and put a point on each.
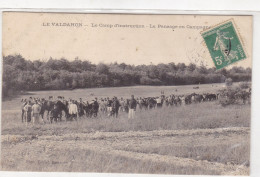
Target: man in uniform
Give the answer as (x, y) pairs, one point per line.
(122, 104)
(54, 114)
(81, 107)
(115, 106)
(59, 105)
(109, 106)
(159, 102)
(28, 111)
(73, 110)
(24, 102)
(95, 107)
(36, 108)
(132, 107)
(102, 106)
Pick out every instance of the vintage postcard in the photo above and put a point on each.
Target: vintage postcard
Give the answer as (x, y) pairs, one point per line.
(126, 93)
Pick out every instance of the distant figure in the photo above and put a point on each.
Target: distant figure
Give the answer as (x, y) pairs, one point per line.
(115, 106)
(81, 107)
(95, 107)
(36, 108)
(140, 101)
(122, 105)
(24, 102)
(28, 111)
(73, 110)
(102, 106)
(132, 107)
(59, 105)
(109, 106)
(159, 102)
(54, 114)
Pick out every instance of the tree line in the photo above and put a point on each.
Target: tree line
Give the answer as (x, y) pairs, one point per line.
(20, 74)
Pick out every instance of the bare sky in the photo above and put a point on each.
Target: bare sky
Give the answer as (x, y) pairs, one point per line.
(40, 36)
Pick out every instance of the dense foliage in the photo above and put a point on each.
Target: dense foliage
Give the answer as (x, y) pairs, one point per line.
(20, 74)
(240, 94)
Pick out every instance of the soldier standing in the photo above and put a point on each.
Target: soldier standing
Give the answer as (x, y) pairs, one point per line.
(28, 111)
(36, 108)
(109, 106)
(132, 107)
(115, 107)
(24, 102)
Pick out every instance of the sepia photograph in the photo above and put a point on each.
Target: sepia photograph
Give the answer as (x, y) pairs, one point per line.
(126, 93)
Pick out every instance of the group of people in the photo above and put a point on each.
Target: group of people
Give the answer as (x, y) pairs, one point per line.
(35, 108)
(30, 110)
(111, 107)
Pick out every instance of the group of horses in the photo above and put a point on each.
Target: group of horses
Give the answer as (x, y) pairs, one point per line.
(90, 109)
(175, 100)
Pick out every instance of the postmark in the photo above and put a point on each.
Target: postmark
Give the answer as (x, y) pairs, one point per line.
(224, 44)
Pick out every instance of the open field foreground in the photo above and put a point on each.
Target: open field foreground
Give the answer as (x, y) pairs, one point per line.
(222, 151)
(203, 138)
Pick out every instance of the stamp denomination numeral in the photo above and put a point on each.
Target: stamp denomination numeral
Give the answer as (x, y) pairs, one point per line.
(219, 60)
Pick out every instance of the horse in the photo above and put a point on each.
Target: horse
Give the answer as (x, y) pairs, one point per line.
(188, 99)
(143, 104)
(62, 107)
(198, 98)
(151, 103)
(46, 106)
(91, 109)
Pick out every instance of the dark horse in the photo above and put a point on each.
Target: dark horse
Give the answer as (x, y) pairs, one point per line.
(46, 106)
(62, 107)
(49, 106)
(91, 109)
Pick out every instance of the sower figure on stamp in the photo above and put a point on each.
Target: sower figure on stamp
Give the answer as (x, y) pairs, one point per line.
(132, 107)
(223, 43)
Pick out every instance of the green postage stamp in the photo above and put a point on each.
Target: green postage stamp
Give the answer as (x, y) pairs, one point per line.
(224, 44)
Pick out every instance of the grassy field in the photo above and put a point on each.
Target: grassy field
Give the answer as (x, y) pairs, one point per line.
(200, 138)
(195, 116)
